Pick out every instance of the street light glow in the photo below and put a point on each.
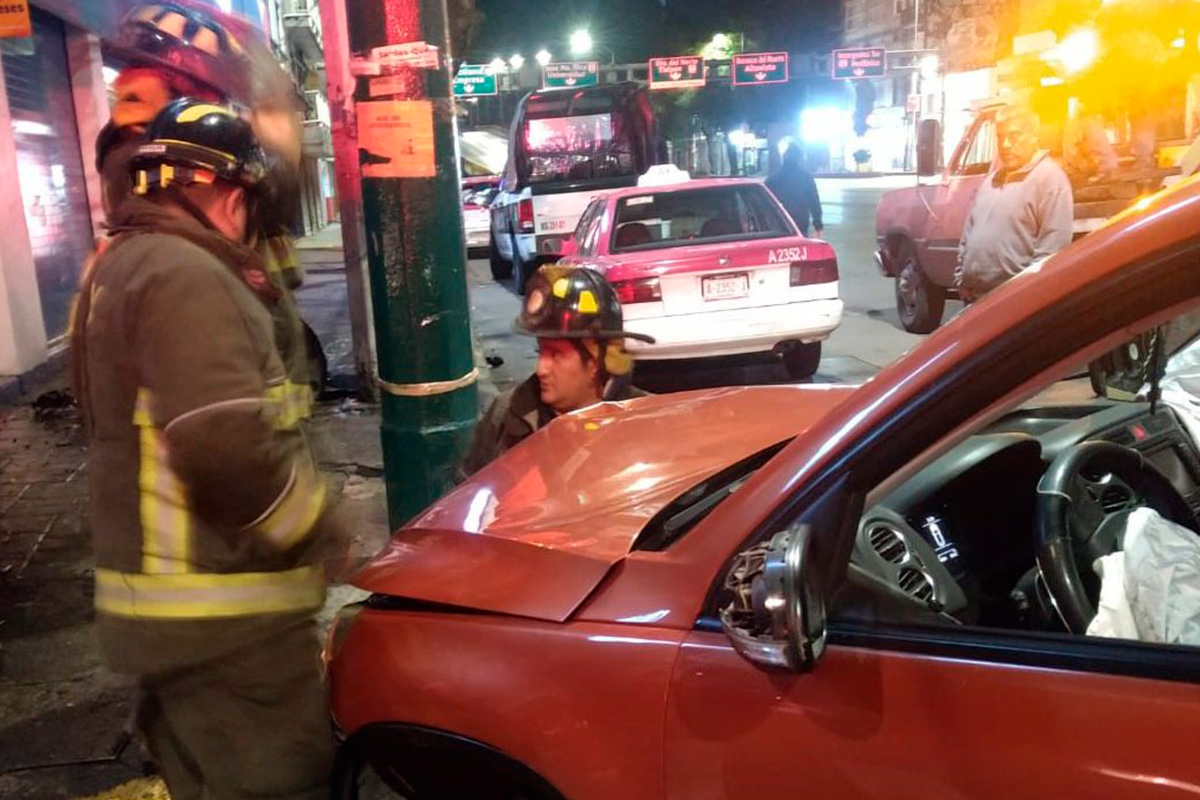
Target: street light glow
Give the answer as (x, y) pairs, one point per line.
(1077, 51)
(581, 42)
(929, 67)
(498, 65)
(544, 57)
(517, 61)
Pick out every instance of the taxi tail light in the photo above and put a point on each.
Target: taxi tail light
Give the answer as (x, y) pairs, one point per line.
(642, 290)
(808, 273)
(525, 216)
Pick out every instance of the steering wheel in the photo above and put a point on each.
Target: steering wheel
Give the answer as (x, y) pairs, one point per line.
(1083, 502)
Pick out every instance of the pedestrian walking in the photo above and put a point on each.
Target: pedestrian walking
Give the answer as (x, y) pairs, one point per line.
(1023, 212)
(576, 317)
(797, 191)
(212, 532)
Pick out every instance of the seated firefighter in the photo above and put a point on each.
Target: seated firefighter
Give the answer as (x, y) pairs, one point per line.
(576, 317)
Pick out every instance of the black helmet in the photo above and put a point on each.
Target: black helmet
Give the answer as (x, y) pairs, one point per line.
(195, 142)
(186, 37)
(564, 302)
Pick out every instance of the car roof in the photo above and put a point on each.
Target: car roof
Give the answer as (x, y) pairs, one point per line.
(682, 186)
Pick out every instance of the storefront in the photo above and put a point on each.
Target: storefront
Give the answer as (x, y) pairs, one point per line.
(54, 103)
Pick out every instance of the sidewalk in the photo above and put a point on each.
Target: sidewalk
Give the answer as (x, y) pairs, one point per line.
(62, 715)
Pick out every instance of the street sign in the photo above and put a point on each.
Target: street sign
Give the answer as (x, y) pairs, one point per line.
(861, 62)
(677, 72)
(570, 74)
(14, 19)
(758, 69)
(475, 80)
(410, 54)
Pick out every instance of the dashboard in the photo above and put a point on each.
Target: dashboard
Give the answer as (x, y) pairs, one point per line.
(958, 539)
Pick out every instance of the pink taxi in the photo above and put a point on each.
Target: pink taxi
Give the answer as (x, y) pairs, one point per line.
(711, 268)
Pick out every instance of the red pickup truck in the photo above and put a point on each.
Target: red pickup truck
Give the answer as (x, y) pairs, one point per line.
(918, 228)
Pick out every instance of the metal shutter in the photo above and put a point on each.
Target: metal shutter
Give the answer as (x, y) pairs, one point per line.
(49, 163)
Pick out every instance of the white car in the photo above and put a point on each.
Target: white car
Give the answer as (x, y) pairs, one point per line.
(711, 268)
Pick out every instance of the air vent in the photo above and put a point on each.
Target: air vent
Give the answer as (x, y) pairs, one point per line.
(916, 583)
(888, 543)
(1115, 498)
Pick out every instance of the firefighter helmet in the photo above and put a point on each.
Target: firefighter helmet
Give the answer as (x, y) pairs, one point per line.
(195, 142)
(573, 303)
(187, 38)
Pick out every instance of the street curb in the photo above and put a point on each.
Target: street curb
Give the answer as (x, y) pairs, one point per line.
(17, 388)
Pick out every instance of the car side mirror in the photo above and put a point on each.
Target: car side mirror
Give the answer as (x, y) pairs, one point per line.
(929, 141)
(777, 616)
(568, 246)
(558, 247)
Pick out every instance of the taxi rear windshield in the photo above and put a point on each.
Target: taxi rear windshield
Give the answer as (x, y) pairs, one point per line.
(696, 216)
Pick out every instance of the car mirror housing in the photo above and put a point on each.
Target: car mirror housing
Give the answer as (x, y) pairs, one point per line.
(929, 140)
(777, 616)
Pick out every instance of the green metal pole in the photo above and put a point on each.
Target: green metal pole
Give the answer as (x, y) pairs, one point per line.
(415, 255)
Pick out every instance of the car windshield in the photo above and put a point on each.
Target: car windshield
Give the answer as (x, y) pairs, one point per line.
(696, 216)
(579, 148)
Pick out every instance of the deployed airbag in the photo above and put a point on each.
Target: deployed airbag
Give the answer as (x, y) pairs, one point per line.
(1150, 591)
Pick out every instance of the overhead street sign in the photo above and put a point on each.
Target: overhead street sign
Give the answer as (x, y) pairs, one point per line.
(570, 74)
(475, 80)
(677, 72)
(758, 69)
(862, 62)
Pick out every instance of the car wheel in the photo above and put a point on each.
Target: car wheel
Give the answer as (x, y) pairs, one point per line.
(521, 270)
(919, 300)
(318, 365)
(802, 360)
(501, 270)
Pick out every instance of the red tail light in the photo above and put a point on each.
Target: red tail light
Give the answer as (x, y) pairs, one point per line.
(642, 290)
(808, 273)
(525, 216)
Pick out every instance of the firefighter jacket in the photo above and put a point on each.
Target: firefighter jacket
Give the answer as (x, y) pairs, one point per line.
(208, 515)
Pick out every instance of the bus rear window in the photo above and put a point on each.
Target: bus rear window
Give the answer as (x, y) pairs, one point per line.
(581, 147)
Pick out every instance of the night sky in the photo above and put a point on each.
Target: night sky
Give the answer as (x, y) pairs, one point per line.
(638, 29)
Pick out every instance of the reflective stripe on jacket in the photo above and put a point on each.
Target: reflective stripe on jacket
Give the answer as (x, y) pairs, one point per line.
(206, 503)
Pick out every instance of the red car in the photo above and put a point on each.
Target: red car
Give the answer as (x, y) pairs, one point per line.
(874, 592)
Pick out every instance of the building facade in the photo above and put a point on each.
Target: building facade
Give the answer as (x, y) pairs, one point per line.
(54, 101)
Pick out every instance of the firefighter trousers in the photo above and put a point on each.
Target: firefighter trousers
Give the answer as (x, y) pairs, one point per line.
(252, 725)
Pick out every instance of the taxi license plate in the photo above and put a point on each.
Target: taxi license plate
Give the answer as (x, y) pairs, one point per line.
(725, 287)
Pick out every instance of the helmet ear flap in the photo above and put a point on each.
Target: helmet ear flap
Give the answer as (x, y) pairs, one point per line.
(617, 360)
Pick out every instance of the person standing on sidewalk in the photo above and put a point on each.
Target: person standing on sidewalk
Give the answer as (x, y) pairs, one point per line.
(1024, 212)
(797, 191)
(187, 48)
(210, 522)
(576, 317)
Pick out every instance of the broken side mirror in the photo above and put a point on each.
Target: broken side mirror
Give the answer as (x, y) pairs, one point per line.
(929, 144)
(777, 616)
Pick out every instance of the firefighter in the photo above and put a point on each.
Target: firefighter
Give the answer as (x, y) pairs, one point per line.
(211, 527)
(576, 317)
(185, 48)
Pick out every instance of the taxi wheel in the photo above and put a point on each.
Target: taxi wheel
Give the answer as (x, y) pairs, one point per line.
(501, 270)
(919, 300)
(802, 360)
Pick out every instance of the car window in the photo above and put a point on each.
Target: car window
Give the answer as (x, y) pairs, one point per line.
(587, 231)
(978, 157)
(965, 540)
(696, 216)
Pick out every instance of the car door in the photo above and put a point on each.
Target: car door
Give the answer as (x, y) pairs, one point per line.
(950, 201)
(899, 707)
(896, 714)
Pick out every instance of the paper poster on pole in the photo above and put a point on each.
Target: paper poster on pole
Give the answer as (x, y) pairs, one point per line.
(14, 19)
(395, 139)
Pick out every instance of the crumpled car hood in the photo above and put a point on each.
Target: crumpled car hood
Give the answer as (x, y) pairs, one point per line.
(533, 533)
